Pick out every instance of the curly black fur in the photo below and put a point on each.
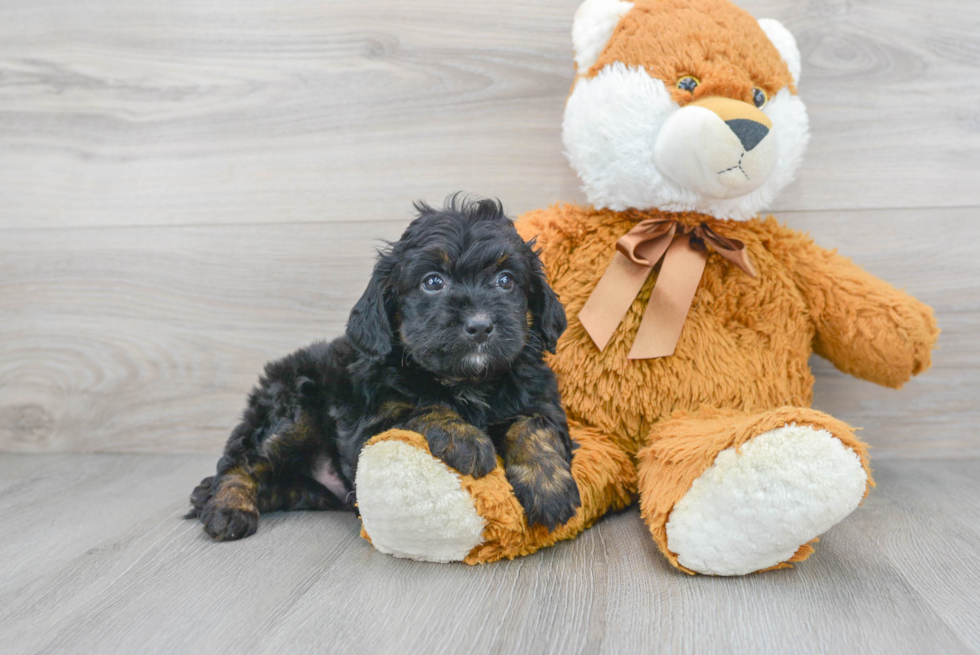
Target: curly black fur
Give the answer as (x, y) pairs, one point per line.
(447, 340)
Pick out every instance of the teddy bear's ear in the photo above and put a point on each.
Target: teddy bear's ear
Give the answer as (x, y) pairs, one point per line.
(594, 24)
(785, 44)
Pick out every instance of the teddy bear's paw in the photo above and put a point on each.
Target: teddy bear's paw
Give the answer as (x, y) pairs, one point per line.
(412, 504)
(755, 506)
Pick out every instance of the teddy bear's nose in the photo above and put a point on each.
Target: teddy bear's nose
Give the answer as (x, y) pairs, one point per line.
(747, 123)
(749, 132)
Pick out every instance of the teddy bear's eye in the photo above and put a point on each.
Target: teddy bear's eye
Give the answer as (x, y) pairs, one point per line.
(688, 83)
(759, 97)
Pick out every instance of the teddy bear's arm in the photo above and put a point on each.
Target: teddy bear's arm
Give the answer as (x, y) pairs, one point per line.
(864, 326)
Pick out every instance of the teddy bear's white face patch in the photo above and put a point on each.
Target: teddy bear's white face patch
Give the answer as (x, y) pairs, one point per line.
(634, 147)
(698, 149)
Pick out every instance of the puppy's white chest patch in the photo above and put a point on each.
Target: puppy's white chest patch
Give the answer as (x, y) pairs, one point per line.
(324, 473)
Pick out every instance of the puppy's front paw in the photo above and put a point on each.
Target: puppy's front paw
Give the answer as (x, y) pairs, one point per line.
(225, 523)
(546, 490)
(464, 447)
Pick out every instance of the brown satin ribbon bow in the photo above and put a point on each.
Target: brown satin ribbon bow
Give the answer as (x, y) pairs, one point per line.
(684, 252)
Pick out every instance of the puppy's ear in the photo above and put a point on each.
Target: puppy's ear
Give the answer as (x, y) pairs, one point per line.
(547, 313)
(369, 325)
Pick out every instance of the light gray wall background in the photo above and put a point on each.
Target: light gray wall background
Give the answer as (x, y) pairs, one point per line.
(190, 188)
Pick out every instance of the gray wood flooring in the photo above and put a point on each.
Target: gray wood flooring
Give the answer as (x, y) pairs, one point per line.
(96, 559)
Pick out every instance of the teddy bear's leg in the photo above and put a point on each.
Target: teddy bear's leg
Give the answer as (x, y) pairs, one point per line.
(729, 493)
(413, 505)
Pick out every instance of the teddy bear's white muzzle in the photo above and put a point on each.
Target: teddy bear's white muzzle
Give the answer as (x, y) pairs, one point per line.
(699, 150)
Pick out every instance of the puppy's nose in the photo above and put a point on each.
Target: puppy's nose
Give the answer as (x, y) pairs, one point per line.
(478, 327)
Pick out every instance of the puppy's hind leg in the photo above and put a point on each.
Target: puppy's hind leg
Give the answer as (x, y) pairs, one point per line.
(298, 494)
(275, 475)
(283, 433)
(231, 510)
(199, 497)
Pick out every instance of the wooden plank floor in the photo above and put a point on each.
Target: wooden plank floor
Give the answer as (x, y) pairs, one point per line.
(96, 559)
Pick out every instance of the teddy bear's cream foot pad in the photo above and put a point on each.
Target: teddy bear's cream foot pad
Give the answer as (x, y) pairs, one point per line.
(754, 507)
(412, 504)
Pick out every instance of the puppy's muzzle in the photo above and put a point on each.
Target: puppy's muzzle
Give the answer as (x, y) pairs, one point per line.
(717, 147)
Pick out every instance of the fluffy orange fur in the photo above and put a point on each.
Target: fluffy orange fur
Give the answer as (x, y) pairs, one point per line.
(652, 427)
(716, 42)
(741, 365)
(740, 368)
(605, 475)
(682, 447)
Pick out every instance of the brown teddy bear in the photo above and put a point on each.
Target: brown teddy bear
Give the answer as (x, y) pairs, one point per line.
(691, 319)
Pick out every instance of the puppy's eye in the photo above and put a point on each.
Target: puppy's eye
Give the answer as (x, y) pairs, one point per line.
(759, 97)
(433, 283)
(688, 83)
(505, 281)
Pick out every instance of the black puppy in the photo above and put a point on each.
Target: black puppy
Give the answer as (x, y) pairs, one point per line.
(447, 340)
